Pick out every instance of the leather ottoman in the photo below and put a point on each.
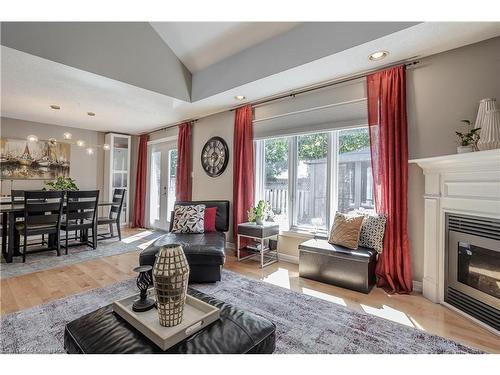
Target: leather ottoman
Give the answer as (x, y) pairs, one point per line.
(337, 265)
(236, 332)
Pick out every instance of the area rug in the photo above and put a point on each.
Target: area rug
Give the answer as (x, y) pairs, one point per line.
(46, 260)
(304, 324)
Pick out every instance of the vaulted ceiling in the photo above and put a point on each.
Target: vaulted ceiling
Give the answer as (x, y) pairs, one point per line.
(137, 76)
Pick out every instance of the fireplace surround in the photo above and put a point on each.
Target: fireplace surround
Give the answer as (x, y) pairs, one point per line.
(462, 192)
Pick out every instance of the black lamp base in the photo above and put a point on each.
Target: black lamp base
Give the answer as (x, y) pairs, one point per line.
(141, 305)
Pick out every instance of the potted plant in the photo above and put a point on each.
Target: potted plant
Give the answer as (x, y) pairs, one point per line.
(467, 140)
(61, 183)
(260, 213)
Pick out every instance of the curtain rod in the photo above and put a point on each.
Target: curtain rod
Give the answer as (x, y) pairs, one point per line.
(407, 62)
(170, 126)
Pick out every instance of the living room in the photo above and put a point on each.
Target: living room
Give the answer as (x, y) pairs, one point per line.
(268, 186)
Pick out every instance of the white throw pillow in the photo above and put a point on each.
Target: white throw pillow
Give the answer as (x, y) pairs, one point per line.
(372, 230)
(189, 219)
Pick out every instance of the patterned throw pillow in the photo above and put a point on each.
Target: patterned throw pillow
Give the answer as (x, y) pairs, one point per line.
(345, 230)
(372, 230)
(189, 219)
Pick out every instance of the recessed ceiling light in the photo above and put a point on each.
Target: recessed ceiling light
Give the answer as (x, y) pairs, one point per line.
(239, 97)
(90, 151)
(56, 107)
(91, 113)
(80, 143)
(67, 135)
(379, 55)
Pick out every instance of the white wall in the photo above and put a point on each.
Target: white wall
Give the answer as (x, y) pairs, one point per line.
(87, 170)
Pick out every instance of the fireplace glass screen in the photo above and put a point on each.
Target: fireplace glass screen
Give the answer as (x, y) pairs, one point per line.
(479, 268)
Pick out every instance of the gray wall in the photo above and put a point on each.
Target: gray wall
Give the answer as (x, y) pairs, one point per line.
(205, 187)
(115, 50)
(302, 44)
(442, 90)
(87, 170)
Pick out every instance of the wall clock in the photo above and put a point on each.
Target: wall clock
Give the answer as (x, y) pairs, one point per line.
(214, 156)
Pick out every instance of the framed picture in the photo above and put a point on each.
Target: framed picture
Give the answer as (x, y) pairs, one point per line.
(25, 160)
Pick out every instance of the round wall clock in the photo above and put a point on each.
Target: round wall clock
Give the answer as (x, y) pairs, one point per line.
(214, 156)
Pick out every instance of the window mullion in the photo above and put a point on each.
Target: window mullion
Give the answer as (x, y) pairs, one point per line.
(260, 170)
(333, 169)
(292, 181)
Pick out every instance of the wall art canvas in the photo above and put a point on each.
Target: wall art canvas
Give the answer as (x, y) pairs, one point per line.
(25, 160)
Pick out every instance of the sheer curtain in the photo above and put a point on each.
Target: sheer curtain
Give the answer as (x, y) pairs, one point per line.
(389, 150)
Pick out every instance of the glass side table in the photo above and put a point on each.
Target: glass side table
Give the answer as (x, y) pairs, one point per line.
(261, 234)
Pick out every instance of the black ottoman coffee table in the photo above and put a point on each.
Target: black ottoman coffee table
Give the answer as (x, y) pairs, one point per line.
(236, 332)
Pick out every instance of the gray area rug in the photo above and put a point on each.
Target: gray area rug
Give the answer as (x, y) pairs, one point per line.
(48, 259)
(304, 324)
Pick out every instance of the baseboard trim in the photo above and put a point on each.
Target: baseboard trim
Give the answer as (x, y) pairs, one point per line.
(289, 258)
(417, 286)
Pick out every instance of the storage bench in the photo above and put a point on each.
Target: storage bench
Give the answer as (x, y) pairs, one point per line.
(338, 265)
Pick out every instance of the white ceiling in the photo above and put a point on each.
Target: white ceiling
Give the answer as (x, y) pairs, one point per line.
(30, 84)
(201, 44)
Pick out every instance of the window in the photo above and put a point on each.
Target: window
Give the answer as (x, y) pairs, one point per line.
(312, 180)
(306, 178)
(276, 177)
(354, 170)
(172, 170)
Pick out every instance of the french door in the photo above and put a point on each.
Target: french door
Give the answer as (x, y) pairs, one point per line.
(161, 183)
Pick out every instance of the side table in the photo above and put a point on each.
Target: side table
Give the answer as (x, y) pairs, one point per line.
(259, 233)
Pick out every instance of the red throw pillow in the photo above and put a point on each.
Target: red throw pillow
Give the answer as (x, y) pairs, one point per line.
(210, 214)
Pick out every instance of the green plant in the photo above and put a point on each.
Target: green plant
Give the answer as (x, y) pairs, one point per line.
(61, 183)
(470, 137)
(262, 211)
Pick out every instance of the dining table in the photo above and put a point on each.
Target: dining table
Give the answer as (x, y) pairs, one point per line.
(10, 211)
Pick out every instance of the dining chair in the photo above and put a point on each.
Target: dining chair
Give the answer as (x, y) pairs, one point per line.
(17, 196)
(80, 215)
(42, 215)
(114, 215)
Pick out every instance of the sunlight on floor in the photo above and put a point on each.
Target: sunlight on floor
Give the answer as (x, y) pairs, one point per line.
(146, 244)
(389, 313)
(280, 277)
(324, 296)
(137, 237)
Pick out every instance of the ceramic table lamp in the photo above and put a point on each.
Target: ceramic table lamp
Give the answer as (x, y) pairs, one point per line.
(486, 104)
(490, 131)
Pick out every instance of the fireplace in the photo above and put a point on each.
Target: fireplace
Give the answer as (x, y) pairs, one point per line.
(472, 258)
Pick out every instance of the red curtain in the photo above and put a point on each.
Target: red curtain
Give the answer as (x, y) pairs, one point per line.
(140, 183)
(243, 170)
(183, 182)
(389, 151)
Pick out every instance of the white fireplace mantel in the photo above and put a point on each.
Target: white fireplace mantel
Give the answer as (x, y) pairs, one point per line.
(462, 184)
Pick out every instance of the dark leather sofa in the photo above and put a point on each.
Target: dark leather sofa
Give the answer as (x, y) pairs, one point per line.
(205, 252)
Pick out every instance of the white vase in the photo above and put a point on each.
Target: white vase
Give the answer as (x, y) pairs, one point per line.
(464, 149)
(485, 105)
(489, 135)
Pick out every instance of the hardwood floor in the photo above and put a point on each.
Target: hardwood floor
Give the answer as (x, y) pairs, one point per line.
(21, 292)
